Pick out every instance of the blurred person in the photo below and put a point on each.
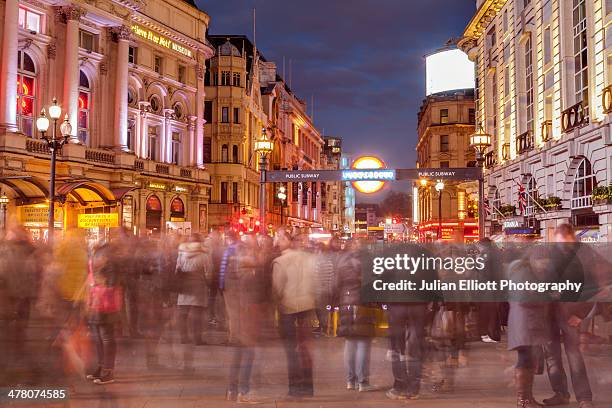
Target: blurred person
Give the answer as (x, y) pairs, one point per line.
(104, 302)
(293, 286)
(233, 243)
(325, 279)
(216, 247)
(566, 320)
(125, 246)
(357, 323)
(242, 287)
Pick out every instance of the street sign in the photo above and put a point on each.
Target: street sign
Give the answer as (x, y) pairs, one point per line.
(395, 228)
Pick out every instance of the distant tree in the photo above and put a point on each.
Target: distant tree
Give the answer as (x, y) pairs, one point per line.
(396, 203)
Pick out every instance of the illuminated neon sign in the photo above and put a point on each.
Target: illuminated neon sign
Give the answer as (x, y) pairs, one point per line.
(356, 175)
(368, 165)
(161, 40)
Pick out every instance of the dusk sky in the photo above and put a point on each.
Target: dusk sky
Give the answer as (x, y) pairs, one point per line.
(362, 60)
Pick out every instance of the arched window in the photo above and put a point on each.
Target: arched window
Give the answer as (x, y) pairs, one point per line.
(584, 182)
(224, 154)
(177, 209)
(235, 154)
(531, 191)
(153, 214)
(26, 93)
(84, 108)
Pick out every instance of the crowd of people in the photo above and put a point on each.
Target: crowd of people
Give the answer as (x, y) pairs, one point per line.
(254, 286)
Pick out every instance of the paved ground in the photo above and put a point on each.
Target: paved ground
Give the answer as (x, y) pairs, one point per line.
(485, 381)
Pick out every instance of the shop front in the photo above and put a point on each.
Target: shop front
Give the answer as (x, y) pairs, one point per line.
(154, 214)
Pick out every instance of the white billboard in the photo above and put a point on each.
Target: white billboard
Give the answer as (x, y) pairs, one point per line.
(448, 70)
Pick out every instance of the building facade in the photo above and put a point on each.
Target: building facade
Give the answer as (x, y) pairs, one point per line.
(349, 198)
(130, 77)
(445, 123)
(332, 193)
(543, 72)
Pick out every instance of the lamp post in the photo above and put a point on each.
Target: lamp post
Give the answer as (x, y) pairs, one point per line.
(480, 141)
(4, 200)
(264, 147)
(439, 187)
(282, 196)
(55, 143)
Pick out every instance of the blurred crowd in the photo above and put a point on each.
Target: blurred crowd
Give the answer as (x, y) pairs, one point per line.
(257, 289)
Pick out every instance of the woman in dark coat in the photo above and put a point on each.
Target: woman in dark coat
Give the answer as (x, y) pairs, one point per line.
(357, 321)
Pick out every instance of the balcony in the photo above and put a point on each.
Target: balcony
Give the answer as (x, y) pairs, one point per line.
(100, 156)
(524, 142)
(606, 99)
(546, 130)
(574, 117)
(490, 160)
(37, 146)
(172, 170)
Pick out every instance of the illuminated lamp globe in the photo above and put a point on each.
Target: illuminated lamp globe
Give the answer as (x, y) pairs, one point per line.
(4, 200)
(480, 140)
(264, 145)
(368, 186)
(55, 111)
(66, 127)
(42, 123)
(439, 185)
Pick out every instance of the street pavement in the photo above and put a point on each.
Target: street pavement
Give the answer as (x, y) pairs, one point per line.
(484, 380)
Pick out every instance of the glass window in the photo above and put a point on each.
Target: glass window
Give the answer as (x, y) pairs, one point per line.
(584, 182)
(29, 20)
(580, 54)
(225, 78)
(443, 115)
(224, 153)
(132, 55)
(158, 64)
(176, 148)
(26, 93)
(235, 192)
(84, 109)
(235, 154)
(444, 164)
(236, 115)
(207, 155)
(225, 114)
(224, 192)
(208, 110)
(152, 153)
(87, 40)
(236, 79)
(547, 46)
(529, 84)
(471, 115)
(444, 147)
(182, 74)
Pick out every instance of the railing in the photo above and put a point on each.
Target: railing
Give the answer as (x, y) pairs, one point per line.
(574, 117)
(186, 173)
(606, 99)
(581, 202)
(37, 146)
(100, 156)
(490, 160)
(524, 142)
(162, 169)
(546, 130)
(139, 165)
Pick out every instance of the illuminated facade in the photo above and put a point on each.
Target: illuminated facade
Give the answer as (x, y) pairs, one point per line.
(544, 71)
(130, 75)
(445, 123)
(332, 193)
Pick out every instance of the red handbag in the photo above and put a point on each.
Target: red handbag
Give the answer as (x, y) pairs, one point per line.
(103, 299)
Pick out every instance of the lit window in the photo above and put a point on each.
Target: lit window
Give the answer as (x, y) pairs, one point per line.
(581, 74)
(132, 55)
(158, 64)
(236, 79)
(84, 108)
(443, 115)
(87, 40)
(529, 84)
(584, 182)
(29, 20)
(26, 93)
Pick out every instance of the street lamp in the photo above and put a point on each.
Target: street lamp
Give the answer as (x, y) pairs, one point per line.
(282, 196)
(264, 147)
(55, 143)
(439, 187)
(480, 141)
(4, 200)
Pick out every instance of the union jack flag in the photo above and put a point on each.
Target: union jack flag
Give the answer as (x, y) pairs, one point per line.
(522, 198)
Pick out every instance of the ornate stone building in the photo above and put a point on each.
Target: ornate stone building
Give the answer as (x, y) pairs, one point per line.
(130, 76)
(544, 70)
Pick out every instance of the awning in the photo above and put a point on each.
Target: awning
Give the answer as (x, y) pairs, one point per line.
(86, 192)
(119, 192)
(26, 187)
(588, 235)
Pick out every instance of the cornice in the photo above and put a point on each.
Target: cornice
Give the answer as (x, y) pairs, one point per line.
(484, 15)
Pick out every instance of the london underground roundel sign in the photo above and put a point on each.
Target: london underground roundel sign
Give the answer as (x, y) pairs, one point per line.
(368, 162)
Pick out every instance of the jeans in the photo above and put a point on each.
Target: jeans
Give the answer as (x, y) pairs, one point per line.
(103, 335)
(554, 360)
(407, 346)
(240, 369)
(184, 313)
(296, 332)
(357, 359)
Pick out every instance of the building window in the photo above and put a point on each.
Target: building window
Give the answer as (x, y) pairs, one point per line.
(505, 21)
(208, 110)
(87, 40)
(584, 182)
(494, 104)
(532, 195)
(529, 83)
(215, 77)
(152, 145)
(236, 115)
(225, 78)
(158, 63)
(491, 37)
(495, 204)
(444, 164)
(236, 79)
(506, 83)
(547, 46)
(235, 193)
(224, 192)
(29, 20)
(224, 153)
(176, 148)
(130, 133)
(26, 93)
(234, 153)
(225, 114)
(443, 115)
(84, 108)
(471, 116)
(207, 154)
(444, 143)
(182, 74)
(132, 55)
(581, 74)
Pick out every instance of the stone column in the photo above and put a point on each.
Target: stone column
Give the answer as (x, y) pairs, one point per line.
(8, 67)
(199, 135)
(166, 137)
(191, 156)
(143, 135)
(70, 104)
(122, 35)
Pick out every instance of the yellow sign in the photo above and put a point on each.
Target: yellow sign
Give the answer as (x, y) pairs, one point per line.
(157, 186)
(38, 215)
(161, 40)
(98, 220)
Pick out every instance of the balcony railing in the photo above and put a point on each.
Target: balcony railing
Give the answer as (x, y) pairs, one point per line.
(139, 164)
(162, 169)
(186, 173)
(37, 146)
(581, 202)
(100, 156)
(546, 130)
(574, 117)
(606, 99)
(490, 160)
(524, 142)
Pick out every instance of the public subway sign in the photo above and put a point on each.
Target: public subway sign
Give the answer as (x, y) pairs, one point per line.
(161, 40)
